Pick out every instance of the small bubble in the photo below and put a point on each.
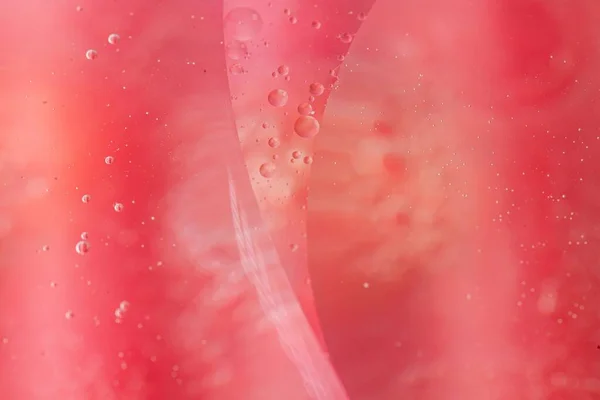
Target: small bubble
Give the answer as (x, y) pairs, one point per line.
(273, 142)
(293, 20)
(305, 109)
(283, 70)
(91, 54)
(84, 236)
(308, 160)
(346, 38)
(69, 314)
(278, 98)
(118, 207)
(46, 248)
(243, 23)
(287, 11)
(316, 89)
(361, 16)
(82, 247)
(86, 198)
(109, 160)
(113, 38)
(293, 247)
(267, 170)
(124, 305)
(296, 154)
(316, 24)
(236, 69)
(237, 50)
(306, 126)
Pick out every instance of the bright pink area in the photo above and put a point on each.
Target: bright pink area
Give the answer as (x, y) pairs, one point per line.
(444, 213)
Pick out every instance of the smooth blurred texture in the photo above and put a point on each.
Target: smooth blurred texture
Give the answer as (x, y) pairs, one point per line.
(293, 200)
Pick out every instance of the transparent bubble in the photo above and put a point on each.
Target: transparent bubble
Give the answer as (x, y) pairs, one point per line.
(278, 97)
(82, 247)
(296, 154)
(91, 54)
(283, 70)
(118, 207)
(305, 109)
(308, 160)
(86, 198)
(306, 126)
(361, 16)
(293, 20)
(237, 50)
(274, 142)
(46, 248)
(124, 305)
(243, 23)
(267, 170)
(109, 160)
(113, 38)
(316, 24)
(84, 236)
(236, 69)
(316, 89)
(69, 314)
(346, 37)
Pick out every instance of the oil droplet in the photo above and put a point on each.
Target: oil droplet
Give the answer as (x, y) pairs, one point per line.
(82, 247)
(316, 24)
(305, 109)
(293, 20)
(243, 23)
(109, 160)
(306, 126)
(278, 98)
(236, 69)
(316, 89)
(113, 38)
(124, 305)
(283, 70)
(237, 50)
(84, 236)
(346, 37)
(296, 154)
(69, 314)
(274, 142)
(308, 160)
(118, 207)
(86, 198)
(267, 170)
(91, 54)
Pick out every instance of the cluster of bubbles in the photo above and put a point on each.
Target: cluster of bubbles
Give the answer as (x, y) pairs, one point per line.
(121, 310)
(113, 39)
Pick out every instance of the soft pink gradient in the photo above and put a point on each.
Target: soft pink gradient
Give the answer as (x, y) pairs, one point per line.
(328, 200)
